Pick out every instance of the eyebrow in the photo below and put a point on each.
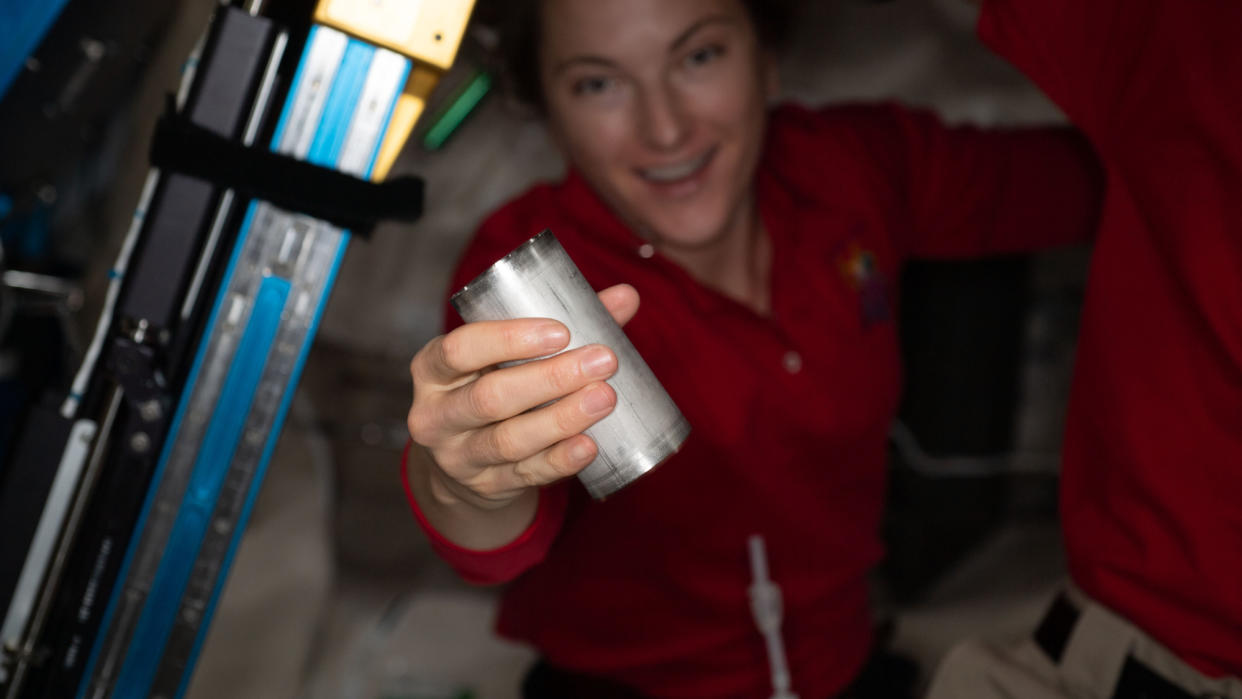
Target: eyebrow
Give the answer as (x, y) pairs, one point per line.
(590, 60)
(681, 39)
(686, 35)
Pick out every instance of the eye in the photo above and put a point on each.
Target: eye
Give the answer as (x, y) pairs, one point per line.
(592, 85)
(703, 56)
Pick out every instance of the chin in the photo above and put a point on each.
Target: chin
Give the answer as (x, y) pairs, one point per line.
(693, 222)
(691, 229)
(692, 240)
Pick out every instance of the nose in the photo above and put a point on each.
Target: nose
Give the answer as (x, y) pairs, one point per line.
(664, 123)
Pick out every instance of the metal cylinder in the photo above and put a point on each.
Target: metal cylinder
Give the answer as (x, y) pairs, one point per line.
(539, 280)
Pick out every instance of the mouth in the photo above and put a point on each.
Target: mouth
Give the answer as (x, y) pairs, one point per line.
(676, 172)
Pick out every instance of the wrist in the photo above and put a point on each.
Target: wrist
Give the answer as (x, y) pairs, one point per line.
(449, 494)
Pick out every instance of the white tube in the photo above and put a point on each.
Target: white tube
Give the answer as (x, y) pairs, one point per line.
(765, 605)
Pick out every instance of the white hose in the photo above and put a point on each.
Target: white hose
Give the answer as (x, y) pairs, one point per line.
(765, 605)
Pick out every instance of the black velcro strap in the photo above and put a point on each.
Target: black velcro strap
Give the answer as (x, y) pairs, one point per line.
(1137, 681)
(544, 681)
(1054, 631)
(1140, 682)
(292, 184)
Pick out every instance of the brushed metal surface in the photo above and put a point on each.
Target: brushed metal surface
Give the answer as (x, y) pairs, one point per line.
(539, 280)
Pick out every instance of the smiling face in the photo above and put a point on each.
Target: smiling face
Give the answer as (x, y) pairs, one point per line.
(660, 104)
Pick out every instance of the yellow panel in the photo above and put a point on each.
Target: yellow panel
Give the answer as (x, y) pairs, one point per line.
(422, 81)
(410, 106)
(428, 30)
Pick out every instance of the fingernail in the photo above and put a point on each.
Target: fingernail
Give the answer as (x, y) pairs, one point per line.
(580, 451)
(552, 336)
(598, 363)
(596, 401)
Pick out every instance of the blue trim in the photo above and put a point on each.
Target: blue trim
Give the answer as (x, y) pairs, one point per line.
(224, 432)
(277, 426)
(158, 476)
(25, 23)
(191, 381)
(327, 145)
(341, 104)
(261, 470)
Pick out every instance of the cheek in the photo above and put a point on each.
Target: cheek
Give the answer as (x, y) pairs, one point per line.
(594, 140)
(734, 120)
(735, 123)
(730, 106)
(732, 99)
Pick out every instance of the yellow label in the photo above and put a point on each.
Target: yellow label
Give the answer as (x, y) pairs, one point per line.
(427, 31)
(405, 114)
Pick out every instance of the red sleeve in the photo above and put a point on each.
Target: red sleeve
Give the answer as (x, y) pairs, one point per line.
(973, 192)
(951, 192)
(943, 192)
(509, 561)
(1082, 53)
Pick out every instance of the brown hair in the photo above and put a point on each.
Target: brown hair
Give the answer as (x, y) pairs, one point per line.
(517, 22)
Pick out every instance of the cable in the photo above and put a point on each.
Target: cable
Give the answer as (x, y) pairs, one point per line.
(765, 605)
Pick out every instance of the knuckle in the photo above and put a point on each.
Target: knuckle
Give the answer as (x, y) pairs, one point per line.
(416, 362)
(452, 463)
(467, 479)
(567, 418)
(419, 371)
(504, 444)
(564, 375)
(483, 484)
(528, 474)
(559, 464)
(419, 423)
(451, 349)
(486, 400)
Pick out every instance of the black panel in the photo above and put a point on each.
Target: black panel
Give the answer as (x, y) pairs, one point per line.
(961, 337)
(236, 54)
(28, 478)
(87, 66)
(181, 210)
(179, 215)
(90, 572)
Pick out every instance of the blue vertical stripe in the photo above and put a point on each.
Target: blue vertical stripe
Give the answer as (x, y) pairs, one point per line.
(23, 24)
(342, 102)
(261, 469)
(212, 465)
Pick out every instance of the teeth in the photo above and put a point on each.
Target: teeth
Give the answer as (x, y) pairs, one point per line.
(670, 173)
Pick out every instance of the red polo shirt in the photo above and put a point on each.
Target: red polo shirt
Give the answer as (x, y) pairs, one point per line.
(1152, 470)
(790, 413)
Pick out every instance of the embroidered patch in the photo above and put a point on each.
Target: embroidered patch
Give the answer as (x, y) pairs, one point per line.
(859, 269)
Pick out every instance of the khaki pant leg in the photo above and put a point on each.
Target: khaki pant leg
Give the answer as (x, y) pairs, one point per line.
(981, 670)
(1102, 640)
(1090, 667)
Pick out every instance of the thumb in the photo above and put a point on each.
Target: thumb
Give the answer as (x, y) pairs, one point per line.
(621, 301)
